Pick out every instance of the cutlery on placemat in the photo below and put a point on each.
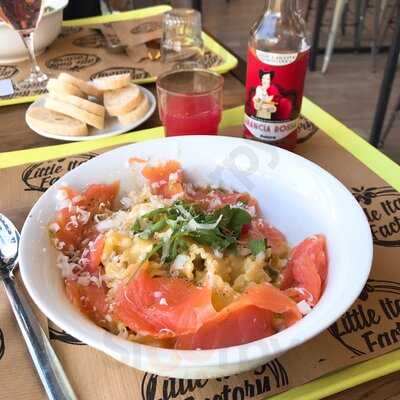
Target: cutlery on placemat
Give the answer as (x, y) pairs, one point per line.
(112, 43)
(45, 359)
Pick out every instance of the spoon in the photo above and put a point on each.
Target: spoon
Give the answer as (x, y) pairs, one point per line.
(46, 362)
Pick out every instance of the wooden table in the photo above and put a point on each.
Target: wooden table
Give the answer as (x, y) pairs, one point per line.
(15, 135)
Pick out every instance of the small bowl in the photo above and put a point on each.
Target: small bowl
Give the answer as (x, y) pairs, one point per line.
(48, 30)
(294, 194)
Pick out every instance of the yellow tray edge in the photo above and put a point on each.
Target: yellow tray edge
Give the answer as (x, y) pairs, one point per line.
(230, 61)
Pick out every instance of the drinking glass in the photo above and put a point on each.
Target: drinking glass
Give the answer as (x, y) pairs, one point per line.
(190, 101)
(24, 16)
(181, 39)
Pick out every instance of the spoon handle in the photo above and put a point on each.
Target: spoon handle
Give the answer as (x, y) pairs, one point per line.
(45, 359)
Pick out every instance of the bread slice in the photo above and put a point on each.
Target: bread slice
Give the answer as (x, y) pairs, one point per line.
(55, 123)
(61, 87)
(86, 87)
(120, 101)
(74, 112)
(83, 104)
(112, 82)
(137, 113)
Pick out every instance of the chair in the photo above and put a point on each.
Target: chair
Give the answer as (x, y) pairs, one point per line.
(383, 14)
(389, 126)
(386, 85)
(337, 18)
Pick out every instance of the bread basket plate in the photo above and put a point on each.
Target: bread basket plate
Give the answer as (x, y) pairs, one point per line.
(112, 127)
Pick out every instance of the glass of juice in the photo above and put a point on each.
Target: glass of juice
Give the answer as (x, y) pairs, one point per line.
(190, 101)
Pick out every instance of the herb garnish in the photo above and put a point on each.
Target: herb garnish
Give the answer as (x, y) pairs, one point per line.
(256, 246)
(220, 229)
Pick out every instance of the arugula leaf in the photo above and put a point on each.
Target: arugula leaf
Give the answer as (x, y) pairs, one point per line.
(178, 246)
(153, 228)
(239, 217)
(232, 220)
(154, 213)
(221, 228)
(136, 228)
(155, 249)
(212, 238)
(257, 246)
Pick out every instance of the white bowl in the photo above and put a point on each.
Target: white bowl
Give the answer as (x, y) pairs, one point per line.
(295, 195)
(48, 29)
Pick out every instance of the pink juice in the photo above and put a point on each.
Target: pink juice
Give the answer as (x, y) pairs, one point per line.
(190, 115)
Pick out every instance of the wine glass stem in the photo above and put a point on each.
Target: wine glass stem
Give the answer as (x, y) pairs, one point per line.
(27, 38)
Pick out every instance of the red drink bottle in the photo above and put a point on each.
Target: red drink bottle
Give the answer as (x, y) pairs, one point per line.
(277, 61)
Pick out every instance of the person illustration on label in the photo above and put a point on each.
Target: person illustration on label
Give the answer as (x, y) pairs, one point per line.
(268, 101)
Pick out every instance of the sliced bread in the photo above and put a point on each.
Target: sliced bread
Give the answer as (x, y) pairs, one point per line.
(84, 86)
(112, 82)
(74, 112)
(84, 104)
(137, 113)
(61, 87)
(55, 123)
(121, 101)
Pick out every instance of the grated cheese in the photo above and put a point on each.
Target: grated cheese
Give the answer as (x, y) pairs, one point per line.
(54, 227)
(115, 221)
(195, 226)
(82, 215)
(126, 202)
(68, 269)
(180, 261)
(304, 307)
(58, 244)
(84, 279)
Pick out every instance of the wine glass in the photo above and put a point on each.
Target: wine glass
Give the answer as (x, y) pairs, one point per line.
(24, 16)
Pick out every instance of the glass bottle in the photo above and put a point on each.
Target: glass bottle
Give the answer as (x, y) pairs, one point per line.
(277, 60)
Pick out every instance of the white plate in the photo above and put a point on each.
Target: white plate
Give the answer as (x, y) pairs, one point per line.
(111, 127)
(295, 195)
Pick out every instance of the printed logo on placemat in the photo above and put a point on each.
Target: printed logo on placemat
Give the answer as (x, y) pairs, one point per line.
(211, 59)
(306, 129)
(73, 61)
(92, 41)
(366, 328)
(136, 73)
(146, 27)
(2, 344)
(8, 71)
(264, 379)
(62, 336)
(381, 206)
(40, 176)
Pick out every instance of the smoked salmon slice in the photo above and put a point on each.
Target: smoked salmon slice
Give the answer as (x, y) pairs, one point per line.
(161, 306)
(247, 319)
(306, 270)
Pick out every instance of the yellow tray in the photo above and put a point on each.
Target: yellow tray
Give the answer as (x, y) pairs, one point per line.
(229, 61)
(351, 142)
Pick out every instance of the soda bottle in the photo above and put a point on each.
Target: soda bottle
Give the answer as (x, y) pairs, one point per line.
(277, 60)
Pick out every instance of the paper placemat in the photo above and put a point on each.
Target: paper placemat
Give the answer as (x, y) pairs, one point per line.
(369, 329)
(80, 50)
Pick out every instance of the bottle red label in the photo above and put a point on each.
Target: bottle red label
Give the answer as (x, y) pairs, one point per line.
(274, 92)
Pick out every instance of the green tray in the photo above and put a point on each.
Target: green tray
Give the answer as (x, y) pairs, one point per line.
(229, 61)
